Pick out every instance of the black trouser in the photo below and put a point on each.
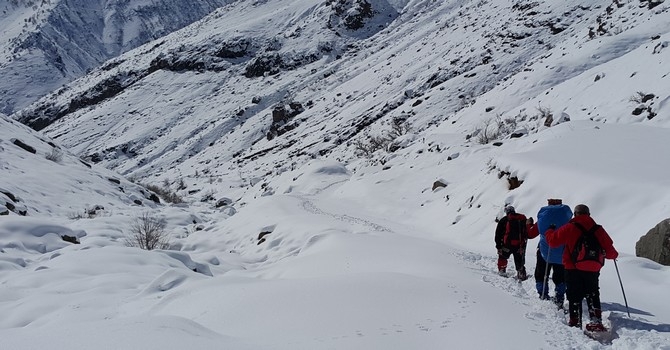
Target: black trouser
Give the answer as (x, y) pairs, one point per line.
(558, 275)
(581, 285)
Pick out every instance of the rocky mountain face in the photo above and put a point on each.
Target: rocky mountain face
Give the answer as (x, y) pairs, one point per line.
(306, 79)
(47, 43)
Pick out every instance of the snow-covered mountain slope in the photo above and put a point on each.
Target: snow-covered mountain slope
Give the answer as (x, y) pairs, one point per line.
(348, 260)
(47, 43)
(307, 86)
(231, 99)
(206, 106)
(40, 178)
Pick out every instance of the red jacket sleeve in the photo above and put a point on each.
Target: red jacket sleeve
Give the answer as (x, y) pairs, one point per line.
(607, 244)
(532, 231)
(559, 236)
(552, 238)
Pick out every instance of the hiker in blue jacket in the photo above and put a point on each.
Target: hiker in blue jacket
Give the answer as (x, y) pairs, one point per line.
(549, 260)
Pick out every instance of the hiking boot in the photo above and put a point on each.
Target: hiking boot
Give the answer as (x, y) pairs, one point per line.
(595, 327)
(558, 301)
(575, 322)
(575, 312)
(542, 290)
(595, 315)
(502, 272)
(596, 321)
(521, 275)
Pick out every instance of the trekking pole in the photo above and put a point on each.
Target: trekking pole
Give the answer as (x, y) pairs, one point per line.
(622, 290)
(545, 281)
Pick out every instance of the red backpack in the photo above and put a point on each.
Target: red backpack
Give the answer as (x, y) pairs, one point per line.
(588, 254)
(515, 232)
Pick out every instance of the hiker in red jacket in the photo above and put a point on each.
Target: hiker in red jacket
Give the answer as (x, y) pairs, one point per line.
(511, 237)
(587, 244)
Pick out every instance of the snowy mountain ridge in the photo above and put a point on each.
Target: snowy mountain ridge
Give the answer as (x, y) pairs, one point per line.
(47, 43)
(235, 101)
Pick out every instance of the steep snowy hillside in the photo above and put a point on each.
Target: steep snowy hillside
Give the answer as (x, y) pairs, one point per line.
(47, 43)
(232, 99)
(226, 91)
(40, 178)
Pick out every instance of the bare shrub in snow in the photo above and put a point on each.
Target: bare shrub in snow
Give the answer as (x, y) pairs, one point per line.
(495, 128)
(367, 147)
(641, 97)
(148, 232)
(181, 185)
(399, 127)
(386, 142)
(546, 114)
(56, 155)
(165, 193)
(486, 133)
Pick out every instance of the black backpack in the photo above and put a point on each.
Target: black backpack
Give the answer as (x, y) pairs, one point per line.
(588, 254)
(515, 231)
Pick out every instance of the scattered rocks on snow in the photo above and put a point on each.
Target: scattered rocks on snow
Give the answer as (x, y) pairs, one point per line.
(223, 201)
(439, 184)
(24, 146)
(71, 239)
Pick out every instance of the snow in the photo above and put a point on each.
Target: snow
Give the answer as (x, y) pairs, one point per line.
(353, 261)
(334, 250)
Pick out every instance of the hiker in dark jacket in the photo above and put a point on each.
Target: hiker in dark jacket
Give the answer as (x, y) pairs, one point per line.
(582, 274)
(510, 238)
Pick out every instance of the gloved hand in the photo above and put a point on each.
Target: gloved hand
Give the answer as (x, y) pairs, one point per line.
(530, 221)
(552, 226)
(500, 251)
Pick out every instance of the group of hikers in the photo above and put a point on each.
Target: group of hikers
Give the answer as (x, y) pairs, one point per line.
(571, 249)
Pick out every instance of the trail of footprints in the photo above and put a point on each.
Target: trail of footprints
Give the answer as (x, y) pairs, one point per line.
(427, 325)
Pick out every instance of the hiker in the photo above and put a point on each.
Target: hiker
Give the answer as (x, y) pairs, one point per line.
(510, 238)
(549, 260)
(583, 263)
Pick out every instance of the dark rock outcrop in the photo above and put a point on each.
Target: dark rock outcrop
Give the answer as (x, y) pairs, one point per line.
(655, 245)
